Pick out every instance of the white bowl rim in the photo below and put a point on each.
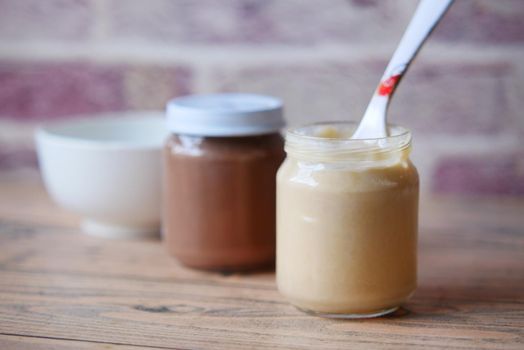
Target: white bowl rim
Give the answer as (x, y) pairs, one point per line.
(50, 132)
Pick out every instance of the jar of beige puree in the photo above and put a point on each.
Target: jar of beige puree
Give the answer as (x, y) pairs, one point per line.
(347, 221)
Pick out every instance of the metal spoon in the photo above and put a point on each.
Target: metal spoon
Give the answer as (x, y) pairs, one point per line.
(425, 19)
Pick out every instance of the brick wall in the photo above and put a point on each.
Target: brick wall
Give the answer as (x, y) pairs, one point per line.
(462, 98)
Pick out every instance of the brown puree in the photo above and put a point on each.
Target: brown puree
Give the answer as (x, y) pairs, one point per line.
(220, 200)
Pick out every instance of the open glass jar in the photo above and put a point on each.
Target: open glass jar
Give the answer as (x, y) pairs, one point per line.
(347, 221)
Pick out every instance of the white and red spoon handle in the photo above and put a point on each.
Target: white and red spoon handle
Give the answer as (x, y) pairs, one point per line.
(426, 17)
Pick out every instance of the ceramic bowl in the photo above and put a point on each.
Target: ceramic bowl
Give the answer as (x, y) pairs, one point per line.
(107, 169)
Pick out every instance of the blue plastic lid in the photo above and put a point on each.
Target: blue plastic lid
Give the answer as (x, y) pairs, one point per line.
(228, 114)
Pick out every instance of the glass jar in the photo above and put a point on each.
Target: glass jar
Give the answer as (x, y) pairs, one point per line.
(220, 167)
(347, 221)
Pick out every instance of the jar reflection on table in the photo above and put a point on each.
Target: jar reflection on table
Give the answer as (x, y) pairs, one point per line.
(346, 221)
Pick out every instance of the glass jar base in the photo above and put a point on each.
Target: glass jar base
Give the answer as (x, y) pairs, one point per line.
(349, 316)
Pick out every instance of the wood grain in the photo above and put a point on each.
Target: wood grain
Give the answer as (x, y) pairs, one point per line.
(61, 289)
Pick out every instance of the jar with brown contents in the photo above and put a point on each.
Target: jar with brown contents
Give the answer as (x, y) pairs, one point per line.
(220, 165)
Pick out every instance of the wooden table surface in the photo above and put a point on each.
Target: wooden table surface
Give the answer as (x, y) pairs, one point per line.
(61, 289)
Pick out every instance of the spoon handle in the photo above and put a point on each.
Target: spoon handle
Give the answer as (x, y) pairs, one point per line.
(426, 17)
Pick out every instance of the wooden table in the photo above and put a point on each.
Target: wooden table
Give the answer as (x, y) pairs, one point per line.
(61, 289)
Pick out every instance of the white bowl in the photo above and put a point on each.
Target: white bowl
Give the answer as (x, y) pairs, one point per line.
(108, 169)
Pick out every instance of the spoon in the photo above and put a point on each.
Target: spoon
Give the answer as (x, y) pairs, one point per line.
(425, 19)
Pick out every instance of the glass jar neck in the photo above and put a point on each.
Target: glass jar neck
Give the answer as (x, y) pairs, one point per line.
(331, 143)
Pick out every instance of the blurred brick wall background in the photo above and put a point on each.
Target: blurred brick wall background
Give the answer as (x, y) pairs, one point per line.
(463, 97)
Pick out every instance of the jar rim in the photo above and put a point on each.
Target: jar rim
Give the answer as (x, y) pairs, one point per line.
(304, 142)
(400, 132)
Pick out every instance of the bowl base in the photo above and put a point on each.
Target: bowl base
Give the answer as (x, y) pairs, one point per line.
(107, 230)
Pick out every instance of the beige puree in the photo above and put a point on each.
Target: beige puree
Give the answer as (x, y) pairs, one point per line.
(346, 221)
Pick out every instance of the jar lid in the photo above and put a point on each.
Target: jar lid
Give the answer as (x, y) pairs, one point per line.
(227, 114)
